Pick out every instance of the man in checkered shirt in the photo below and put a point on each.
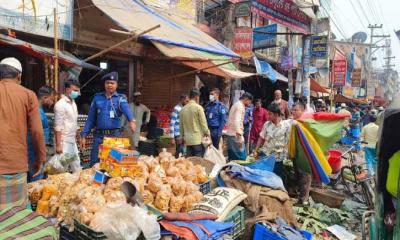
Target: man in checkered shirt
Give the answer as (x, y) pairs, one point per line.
(174, 124)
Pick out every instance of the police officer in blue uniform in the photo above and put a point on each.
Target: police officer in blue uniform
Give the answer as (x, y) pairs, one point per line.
(216, 116)
(105, 115)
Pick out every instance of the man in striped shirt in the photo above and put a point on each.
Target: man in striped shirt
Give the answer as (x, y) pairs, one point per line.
(174, 124)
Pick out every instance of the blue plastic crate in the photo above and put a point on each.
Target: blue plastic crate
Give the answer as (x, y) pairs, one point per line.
(262, 233)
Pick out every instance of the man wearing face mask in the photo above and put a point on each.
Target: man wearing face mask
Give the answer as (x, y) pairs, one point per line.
(66, 123)
(140, 111)
(216, 116)
(105, 115)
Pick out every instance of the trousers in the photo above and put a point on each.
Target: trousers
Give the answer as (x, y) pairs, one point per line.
(195, 151)
(97, 140)
(215, 136)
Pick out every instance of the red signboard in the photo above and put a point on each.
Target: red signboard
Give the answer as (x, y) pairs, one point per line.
(243, 41)
(339, 72)
(284, 12)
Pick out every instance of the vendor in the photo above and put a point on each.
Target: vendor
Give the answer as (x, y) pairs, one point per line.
(303, 178)
(274, 138)
(105, 115)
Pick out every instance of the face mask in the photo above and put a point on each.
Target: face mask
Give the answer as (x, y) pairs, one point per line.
(74, 94)
(212, 98)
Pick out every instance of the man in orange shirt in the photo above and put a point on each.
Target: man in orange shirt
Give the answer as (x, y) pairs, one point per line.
(19, 111)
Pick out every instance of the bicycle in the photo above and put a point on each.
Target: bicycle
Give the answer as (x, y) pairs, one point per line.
(355, 180)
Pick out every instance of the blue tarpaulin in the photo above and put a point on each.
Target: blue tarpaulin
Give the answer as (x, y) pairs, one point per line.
(264, 69)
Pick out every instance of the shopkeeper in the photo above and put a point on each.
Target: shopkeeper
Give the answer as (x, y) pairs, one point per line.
(105, 115)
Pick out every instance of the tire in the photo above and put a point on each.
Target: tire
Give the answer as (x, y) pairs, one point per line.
(351, 187)
(368, 194)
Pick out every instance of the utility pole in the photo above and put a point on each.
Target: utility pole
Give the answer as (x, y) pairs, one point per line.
(373, 45)
(55, 50)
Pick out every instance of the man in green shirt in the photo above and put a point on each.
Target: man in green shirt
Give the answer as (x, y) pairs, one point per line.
(193, 125)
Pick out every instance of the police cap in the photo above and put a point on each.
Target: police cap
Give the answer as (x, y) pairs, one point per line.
(113, 76)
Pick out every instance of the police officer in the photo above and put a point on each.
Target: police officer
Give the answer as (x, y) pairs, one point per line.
(216, 116)
(105, 115)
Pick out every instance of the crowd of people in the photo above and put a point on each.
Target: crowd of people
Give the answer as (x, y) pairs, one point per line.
(249, 128)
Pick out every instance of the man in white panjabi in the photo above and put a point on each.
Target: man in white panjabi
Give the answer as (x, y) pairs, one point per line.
(139, 110)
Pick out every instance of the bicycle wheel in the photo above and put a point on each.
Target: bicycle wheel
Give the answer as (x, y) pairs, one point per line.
(352, 187)
(368, 194)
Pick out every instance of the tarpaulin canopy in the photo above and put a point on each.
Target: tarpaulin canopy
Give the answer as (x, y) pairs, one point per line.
(316, 87)
(264, 69)
(203, 60)
(339, 98)
(134, 16)
(40, 52)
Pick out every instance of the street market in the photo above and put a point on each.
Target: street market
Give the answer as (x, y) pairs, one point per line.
(213, 119)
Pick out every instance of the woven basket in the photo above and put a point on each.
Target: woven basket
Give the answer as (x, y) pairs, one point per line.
(207, 164)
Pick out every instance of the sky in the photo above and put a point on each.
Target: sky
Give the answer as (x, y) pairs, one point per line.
(351, 16)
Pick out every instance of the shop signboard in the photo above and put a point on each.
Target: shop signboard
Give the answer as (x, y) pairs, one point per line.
(262, 40)
(242, 44)
(284, 12)
(319, 46)
(242, 9)
(356, 77)
(339, 72)
(36, 17)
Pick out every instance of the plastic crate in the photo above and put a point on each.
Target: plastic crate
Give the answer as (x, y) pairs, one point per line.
(205, 187)
(65, 234)
(261, 232)
(237, 217)
(83, 232)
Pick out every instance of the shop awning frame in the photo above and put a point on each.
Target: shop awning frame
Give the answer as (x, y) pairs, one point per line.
(34, 50)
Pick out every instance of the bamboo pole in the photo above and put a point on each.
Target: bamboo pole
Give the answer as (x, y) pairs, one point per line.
(55, 50)
(132, 38)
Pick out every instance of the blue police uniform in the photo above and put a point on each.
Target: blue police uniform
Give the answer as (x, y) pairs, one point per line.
(105, 115)
(216, 119)
(247, 123)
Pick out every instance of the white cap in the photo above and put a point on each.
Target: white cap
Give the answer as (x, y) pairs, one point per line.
(320, 100)
(137, 94)
(13, 62)
(381, 108)
(343, 105)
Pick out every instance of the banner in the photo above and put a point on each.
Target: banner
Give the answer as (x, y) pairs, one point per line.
(242, 43)
(284, 12)
(356, 77)
(339, 72)
(319, 46)
(36, 17)
(286, 59)
(262, 40)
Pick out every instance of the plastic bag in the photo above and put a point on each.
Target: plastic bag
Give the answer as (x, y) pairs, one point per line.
(122, 229)
(214, 155)
(59, 163)
(147, 223)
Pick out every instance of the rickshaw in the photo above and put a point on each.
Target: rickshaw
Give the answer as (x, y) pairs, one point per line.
(388, 145)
